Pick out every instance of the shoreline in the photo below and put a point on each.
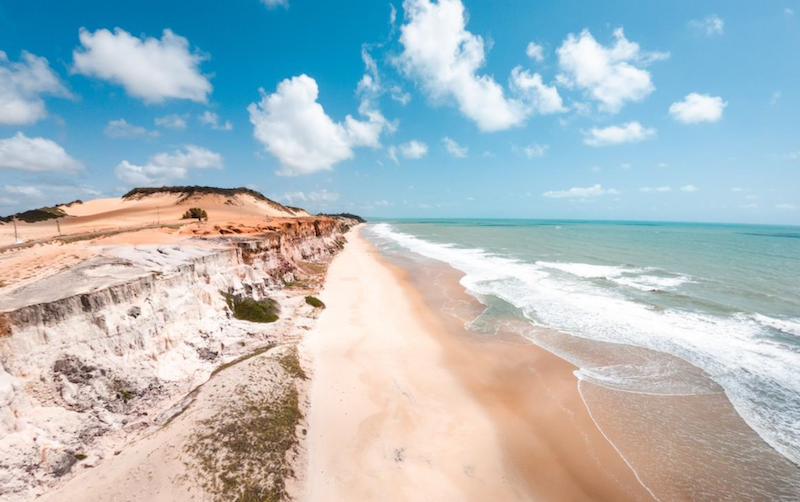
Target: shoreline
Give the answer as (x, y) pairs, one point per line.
(529, 433)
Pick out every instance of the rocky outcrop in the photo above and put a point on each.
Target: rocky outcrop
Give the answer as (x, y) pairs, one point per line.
(96, 354)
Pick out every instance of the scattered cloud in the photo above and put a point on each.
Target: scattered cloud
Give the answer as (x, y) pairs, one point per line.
(751, 205)
(786, 206)
(698, 108)
(22, 153)
(414, 149)
(276, 3)
(788, 11)
(737, 189)
(173, 121)
(776, 96)
(662, 189)
(211, 119)
(710, 25)
(294, 127)
(22, 85)
(454, 148)
(532, 151)
(148, 68)
(397, 94)
(445, 58)
(541, 98)
(298, 197)
(27, 191)
(121, 128)
(631, 132)
(535, 52)
(164, 167)
(581, 192)
(609, 75)
(625, 166)
(689, 188)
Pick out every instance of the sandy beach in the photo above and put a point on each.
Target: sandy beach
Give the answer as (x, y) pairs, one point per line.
(406, 405)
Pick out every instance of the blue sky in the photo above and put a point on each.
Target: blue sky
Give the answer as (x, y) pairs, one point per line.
(610, 110)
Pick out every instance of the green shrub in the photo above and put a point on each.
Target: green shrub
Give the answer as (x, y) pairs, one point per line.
(195, 213)
(247, 309)
(315, 302)
(79, 456)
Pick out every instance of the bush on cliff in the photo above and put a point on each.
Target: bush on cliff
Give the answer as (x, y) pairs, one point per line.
(247, 309)
(195, 213)
(315, 302)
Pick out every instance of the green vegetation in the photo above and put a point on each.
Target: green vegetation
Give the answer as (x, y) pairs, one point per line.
(247, 309)
(301, 284)
(315, 302)
(34, 215)
(195, 213)
(79, 456)
(191, 191)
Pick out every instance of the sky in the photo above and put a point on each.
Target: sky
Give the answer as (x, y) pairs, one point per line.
(670, 111)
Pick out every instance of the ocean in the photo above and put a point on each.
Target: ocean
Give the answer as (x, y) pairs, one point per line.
(686, 336)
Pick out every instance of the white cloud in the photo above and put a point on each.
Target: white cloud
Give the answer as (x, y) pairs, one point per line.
(298, 197)
(35, 155)
(454, 149)
(27, 191)
(662, 189)
(164, 167)
(709, 25)
(414, 149)
(788, 11)
(581, 192)
(535, 51)
(541, 98)
(444, 58)
(689, 188)
(22, 84)
(698, 108)
(630, 132)
(607, 74)
(276, 3)
(148, 68)
(211, 119)
(5, 201)
(397, 94)
(532, 151)
(786, 206)
(751, 205)
(776, 96)
(294, 127)
(173, 121)
(121, 128)
(391, 152)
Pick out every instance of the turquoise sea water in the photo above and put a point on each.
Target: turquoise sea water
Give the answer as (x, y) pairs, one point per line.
(724, 298)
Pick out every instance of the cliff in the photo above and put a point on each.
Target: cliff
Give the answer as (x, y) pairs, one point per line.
(97, 353)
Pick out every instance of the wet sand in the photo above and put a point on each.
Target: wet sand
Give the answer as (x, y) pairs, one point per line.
(406, 404)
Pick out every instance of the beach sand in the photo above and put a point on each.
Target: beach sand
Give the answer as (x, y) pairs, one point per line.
(407, 405)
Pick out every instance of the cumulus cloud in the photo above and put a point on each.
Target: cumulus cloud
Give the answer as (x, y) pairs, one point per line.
(444, 57)
(121, 128)
(709, 25)
(661, 189)
(148, 68)
(164, 167)
(609, 75)
(172, 121)
(631, 132)
(581, 192)
(785, 206)
(211, 119)
(35, 155)
(294, 127)
(535, 52)
(22, 85)
(414, 149)
(541, 98)
(689, 188)
(454, 149)
(299, 197)
(698, 108)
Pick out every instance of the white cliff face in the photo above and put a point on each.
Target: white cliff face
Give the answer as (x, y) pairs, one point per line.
(96, 354)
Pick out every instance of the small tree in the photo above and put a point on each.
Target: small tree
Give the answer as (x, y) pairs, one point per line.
(195, 212)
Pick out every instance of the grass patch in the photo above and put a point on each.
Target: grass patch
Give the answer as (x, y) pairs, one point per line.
(315, 302)
(296, 284)
(79, 456)
(247, 309)
(240, 454)
(291, 364)
(245, 357)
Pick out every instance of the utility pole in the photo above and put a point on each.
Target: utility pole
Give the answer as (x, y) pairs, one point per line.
(16, 236)
(158, 215)
(58, 224)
